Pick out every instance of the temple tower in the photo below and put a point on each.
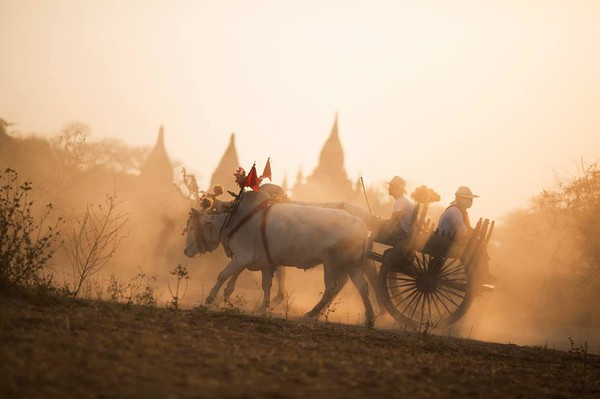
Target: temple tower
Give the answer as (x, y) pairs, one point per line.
(329, 181)
(158, 169)
(223, 174)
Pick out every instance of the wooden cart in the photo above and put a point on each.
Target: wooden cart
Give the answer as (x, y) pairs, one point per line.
(425, 281)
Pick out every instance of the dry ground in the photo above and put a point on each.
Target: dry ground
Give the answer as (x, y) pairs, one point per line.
(58, 347)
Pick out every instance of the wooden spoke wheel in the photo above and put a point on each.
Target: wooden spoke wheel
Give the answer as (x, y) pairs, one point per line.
(421, 290)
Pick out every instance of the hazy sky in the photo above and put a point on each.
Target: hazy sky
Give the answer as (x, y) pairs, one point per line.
(496, 95)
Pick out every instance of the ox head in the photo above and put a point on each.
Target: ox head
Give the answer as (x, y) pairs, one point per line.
(201, 234)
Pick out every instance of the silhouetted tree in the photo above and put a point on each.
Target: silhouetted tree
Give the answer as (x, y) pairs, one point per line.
(574, 207)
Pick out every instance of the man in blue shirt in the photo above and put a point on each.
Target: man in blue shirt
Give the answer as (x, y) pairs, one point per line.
(454, 223)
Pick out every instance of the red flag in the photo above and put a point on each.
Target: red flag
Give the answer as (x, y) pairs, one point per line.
(267, 171)
(252, 179)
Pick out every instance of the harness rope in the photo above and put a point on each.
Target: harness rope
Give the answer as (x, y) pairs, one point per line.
(263, 232)
(263, 206)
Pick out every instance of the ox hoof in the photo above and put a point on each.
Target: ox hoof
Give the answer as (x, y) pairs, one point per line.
(310, 316)
(370, 322)
(209, 300)
(263, 311)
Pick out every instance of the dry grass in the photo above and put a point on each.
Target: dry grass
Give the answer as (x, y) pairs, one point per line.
(58, 347)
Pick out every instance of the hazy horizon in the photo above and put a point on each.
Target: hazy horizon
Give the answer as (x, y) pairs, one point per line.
(497, 96)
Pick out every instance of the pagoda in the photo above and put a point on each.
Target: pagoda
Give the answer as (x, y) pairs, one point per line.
(158, 168)
(223, 174)
(329, 180)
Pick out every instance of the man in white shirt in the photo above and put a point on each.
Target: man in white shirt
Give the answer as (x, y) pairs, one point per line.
(454, 223)
(403, 208)
(396, 228)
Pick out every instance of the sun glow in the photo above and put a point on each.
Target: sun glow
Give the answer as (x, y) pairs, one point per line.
(490, 95)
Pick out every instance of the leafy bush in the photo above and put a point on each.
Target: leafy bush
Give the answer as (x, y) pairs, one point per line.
(573, 207)
(548, 256)
(26, 244)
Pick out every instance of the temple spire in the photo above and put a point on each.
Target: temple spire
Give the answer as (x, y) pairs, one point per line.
(223, 174)
(284, 183)
(158, 168)
(160, 142)
(328, 180)
(332, 154)
(334, 128)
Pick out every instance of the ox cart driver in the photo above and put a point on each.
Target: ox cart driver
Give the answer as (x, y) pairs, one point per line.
(395, 229)
(455, 222)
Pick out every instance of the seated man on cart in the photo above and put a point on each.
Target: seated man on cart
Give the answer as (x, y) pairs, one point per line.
(454, 223)
(395, 229)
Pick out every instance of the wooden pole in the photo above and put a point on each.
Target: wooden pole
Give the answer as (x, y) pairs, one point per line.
(366, 198)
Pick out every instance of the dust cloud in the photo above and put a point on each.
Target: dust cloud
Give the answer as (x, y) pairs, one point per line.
(543, 296)
(539, 299)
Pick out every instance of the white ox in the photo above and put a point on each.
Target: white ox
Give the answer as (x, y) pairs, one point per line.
(296, 235)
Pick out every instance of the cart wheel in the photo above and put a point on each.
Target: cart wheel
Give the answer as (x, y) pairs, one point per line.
(423, 290)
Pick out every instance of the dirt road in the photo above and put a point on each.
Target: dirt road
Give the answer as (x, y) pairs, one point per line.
(58, 347)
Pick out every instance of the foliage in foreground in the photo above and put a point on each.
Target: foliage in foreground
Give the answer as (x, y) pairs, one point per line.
(26, 243)
(548, 259)
(573, 208)
(95, 240)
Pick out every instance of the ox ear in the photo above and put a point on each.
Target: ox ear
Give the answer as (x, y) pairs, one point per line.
(195, 212)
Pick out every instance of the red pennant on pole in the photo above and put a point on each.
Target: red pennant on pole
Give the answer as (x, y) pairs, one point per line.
(267, 171)
(252, 179)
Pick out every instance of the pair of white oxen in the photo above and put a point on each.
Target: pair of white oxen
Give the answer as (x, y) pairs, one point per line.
(298, 234)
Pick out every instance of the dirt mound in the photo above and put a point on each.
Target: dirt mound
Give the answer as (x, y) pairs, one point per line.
(67, 348)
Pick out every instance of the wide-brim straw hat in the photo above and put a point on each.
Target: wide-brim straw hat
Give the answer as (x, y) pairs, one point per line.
(397, 181)
(464, 191)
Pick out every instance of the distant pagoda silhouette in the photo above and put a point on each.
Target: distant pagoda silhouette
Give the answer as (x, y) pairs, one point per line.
(223, 174)
(158, 169)
(329, 181)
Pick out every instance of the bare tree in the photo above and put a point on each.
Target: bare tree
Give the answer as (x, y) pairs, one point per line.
(95, 240)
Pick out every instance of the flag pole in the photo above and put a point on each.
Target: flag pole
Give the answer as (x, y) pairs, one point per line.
(365, 193)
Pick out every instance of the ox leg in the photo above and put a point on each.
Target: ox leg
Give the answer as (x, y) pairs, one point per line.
(231, 285)
(280, 274)
(370, 271)
(267, 281)
(358, 279)
(334, 282)
(232, 268)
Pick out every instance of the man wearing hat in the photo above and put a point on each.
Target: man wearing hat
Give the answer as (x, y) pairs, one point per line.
(396, 228)
(455, 223)
(455, 219)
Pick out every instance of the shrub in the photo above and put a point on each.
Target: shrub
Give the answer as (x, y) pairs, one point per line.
(140, 290)
(26, 244)
(182, 274)
(95, 240)
(573, 207)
